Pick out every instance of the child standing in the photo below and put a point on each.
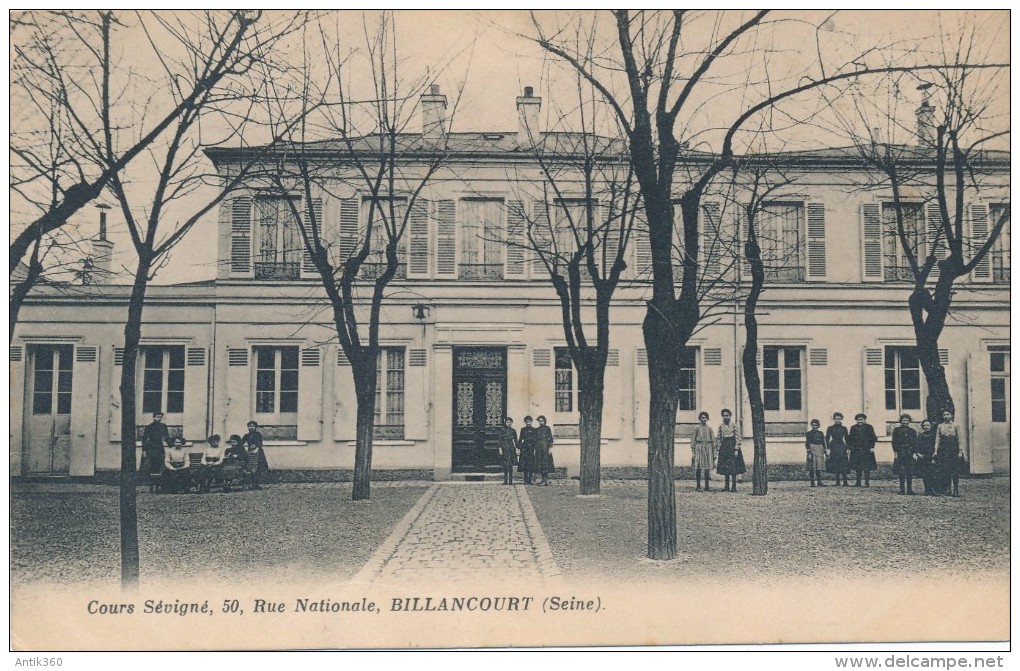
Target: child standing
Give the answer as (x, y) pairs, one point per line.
(508, 450)
(925, 448)
(702, 445)
(948, 454)
(528, 440)
(835, 441)
(814, 441)
(731, 459)
(904, 443)
(862, 448)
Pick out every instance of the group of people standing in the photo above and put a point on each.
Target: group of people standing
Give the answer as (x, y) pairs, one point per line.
(172, 470)
(530, 451)
(720, 449)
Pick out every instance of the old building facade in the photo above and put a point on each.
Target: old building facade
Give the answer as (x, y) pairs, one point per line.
(471, 330)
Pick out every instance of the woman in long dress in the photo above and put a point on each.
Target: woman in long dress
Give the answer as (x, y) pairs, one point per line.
(925, 449)
(835, 442)
(948, 455)
(543, 449)
(904, 445)
(731, 459)
(702, 446)
(529, 442)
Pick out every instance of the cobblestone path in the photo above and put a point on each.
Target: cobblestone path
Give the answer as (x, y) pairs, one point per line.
(465, 532)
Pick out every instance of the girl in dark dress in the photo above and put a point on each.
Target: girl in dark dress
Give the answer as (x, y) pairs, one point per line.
(814, 441)
(904, 443)
(508, 450)
(730, 462)
(948, 454)
(862, 441)
(257, 464)
(835, 441)
(925, 449)
(528, 442)
(543, 447)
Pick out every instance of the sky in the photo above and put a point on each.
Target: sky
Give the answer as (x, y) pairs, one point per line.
(487, 56)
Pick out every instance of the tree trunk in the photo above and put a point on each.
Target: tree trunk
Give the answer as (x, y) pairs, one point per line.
(24, 286)
(590, 399)
(752, 380)
(128, 416)
(926, 338)
(662, 392)
(364, 370)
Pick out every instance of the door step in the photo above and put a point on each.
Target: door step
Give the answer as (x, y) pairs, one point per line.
(476, 477)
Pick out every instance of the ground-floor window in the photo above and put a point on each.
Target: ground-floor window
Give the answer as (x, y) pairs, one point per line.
(389, 394)
(163, 379)
(999, 364)
(783, 380)
(276, 384)
(902, 379)
(687, 385)
(565, 391)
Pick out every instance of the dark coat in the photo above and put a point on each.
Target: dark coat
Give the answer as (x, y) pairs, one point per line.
(904, 443)
(862, 447)
(253, 439)
(835, 442)
(543, 456)
(529, 444)
(924, 447)
(508, 446)
(154, 436)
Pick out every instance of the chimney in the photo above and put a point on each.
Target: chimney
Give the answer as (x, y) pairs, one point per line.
(98, 265)
(433, 114)
(528, 107)
(925, 118)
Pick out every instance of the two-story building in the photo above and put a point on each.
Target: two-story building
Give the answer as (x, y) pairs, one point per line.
(471, 329)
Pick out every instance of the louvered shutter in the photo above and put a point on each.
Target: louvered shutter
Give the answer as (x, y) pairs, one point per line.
(712, 246)
(83, 411)
(640, 400)
(16, 404)
(345, 403)
(871, 228)
(541, 232)
(816, 266)
(873, 392)
(517, 240)
(418, 240)
(196, 394)
(240, 237)
(446, 239)
(238, 390)
(312, 225)
(310, 395)
(933, 221)
(642, 249)
(977, 215)
(347, 233)
(115, 372)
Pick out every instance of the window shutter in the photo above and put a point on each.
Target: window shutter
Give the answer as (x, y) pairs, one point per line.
(341, 358)
(313, 224)
(871, 224)
(310, 395)
(196, 394)
(240, 236)
(542, 234)
(446, 239)
(873, 356)
(712, 356)
(239, 391)
(818, 357)
(642, 250)
(816, 266)
(712, 245)
(642, 356)
(416, 358)
(613, 358)
(84, 410)
(418, 239)
(541, 358)
(347, 242)
(933, 220)
(517, 239)
(118, 356)
(943, 356)
(978, 217)
(237, 356)
(15, 353)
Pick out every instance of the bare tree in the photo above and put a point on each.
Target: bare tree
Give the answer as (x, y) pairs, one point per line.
(358, 149)
(191, 46)
(671, 65)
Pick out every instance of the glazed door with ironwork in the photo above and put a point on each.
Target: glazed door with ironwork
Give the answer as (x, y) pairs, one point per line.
(479, 406)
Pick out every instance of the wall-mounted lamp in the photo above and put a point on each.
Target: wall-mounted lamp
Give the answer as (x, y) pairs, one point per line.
(420, 311)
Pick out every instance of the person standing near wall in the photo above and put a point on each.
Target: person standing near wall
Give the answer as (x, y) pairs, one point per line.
(528, 442)
(702, 446)
(508, 450)
(731, 459)
(543, 451)
(904, 443)
(814, 441)
(835, 441)
(154, 436)
(862, 448)
(948, 455)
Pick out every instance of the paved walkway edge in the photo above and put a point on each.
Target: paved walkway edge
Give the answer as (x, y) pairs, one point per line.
(375, 564)
(543, 553)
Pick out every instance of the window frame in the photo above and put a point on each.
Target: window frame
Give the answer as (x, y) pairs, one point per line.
(779, 269)
(486, 269)
(898, 390)
(279, 267)
(895, 267)
(1001, 377)
(564, 382)
(170, 417)
(783, 412)
(384, 394)
(1000, 250)
(277, 416)
(375, 262)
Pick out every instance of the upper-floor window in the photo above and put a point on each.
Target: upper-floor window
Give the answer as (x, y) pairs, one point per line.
(896, 266)
(387, 217)
(162, 379)
(482, 240)
(389, 394)
(278, 243)
(780, 236)
(999, 253)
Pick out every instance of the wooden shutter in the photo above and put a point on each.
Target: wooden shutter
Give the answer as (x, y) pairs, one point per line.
(114, 417)
(642, 249)
(345, 403)
(816, 266)
(933, 221)
(240, 237)
(312, 224)
(517, 240)
(446, 239)
(542, 234)
(347, 233)
(310, 394)
(196, 394)
(873, 389)
(713, 247)
(238, 390)
(977, 215)
(17, 406)
(85, 378)
(416, 420)
(418, 240)
(871, 228)
(640, 404)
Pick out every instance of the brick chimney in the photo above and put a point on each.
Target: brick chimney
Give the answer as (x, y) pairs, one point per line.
(99, 264)
(925, 118)
(528, 107)
(433, 114)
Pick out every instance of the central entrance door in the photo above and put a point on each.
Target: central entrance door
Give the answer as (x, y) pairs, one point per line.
(48, 448)
(479, 406)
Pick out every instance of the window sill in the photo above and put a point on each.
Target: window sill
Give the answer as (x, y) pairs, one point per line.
(382, 443)
(284, 443)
